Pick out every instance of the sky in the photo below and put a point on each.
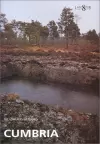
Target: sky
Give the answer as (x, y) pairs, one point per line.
(44, 11)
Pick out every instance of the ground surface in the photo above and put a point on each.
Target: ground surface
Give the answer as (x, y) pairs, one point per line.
(72, 127)
(80, 67)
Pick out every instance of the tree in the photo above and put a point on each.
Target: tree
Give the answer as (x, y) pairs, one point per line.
(73, 30)
(6, 31)
(3, 20)
(22, 29)
(53, 30)
(32, 31)
(77, 30)
(9, 33)
(15, 28)
(66, 24)
(36, 31)
(92, 36)
(44, 34)
(29, 31)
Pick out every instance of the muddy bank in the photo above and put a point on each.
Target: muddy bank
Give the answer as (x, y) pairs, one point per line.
(71, 126)
(51, 69)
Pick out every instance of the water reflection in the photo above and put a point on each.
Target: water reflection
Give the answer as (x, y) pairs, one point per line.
(52, 95)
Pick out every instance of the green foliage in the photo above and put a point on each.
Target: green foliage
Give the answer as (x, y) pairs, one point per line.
(92, 36)
(67, 26)
(44, 32)
(34, 33)
(7, 34)
(3, 20)
(53, 30)
(66, 23)
(22, 31)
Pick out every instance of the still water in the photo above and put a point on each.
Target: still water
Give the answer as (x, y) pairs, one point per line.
(52, 95)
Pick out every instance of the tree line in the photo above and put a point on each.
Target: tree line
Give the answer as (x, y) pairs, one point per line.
(34, 32)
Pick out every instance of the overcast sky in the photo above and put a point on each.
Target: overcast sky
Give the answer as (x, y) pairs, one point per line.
(44, 11)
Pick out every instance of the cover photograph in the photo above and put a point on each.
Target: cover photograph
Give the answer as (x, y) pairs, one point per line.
(49, 72)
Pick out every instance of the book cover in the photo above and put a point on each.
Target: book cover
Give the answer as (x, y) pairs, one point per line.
(49, 72)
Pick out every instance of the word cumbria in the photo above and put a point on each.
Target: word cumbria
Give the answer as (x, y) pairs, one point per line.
(30, 133)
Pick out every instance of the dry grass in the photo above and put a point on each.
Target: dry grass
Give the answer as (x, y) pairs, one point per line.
(71, 48)
(73, 52)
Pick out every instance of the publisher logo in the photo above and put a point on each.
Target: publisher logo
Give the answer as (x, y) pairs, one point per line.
(83, 7)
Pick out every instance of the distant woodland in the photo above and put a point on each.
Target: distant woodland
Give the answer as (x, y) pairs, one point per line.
(65, 30)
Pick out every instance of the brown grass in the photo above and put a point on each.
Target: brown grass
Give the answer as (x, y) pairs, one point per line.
(73, 52)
